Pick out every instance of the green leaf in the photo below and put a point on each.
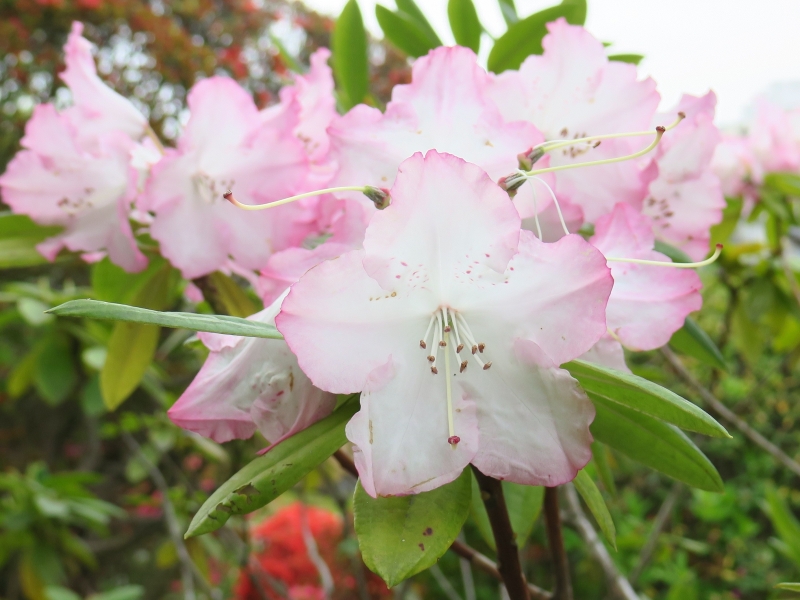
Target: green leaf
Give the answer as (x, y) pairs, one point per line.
(125, 592)
(19, 236)
(268, 476)
(400, 536)
(633, 59)
(790, 587)
(132, 346)
(721, 232)
(233, 298)
(785, 523)
(55, 592)
(95, 309)
(56, 375)
(465, 24)
(509, 11)
(594, 500)
(677, 255)
(402, 31)
(524, 504)
(350, 62)
(785, 183)
(410, 8)
(610, 387)
(658, 445)
(693, 341)
(525, 37)
(600, 455)
(111, 283)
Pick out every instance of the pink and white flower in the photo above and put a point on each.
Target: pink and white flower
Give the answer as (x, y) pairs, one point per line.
(226, 144)
(452, 323)
(248, 385)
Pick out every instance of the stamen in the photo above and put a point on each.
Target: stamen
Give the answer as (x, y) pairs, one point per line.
(437, 337)
(471, 339)
(536, 211)
(555, 201)
(593, 163)
(422, 342)
(452, 439)
(551, 145)
(350, 188)
(661, 263)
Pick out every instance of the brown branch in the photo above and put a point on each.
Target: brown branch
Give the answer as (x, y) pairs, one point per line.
(487, 565)
(210, 294)
(346, 462)
(563, 586)
(729, 415)
(505, 541)
(617, 583)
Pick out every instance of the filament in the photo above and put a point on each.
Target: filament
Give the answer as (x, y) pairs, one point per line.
(447, 375)
(536, 211)
(555, 201)
(662, 263)
(593, 163)
(349, 188)
(550, 145)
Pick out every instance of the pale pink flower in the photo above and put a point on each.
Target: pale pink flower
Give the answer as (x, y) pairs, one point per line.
(572, 90)
(56, 181)
(775, 137)
(685, 198)
(97, 109)
(607, 352)
(447, 262)
(444, 108)
(248, 385)
(736, 165)
(648, 303)
(228, 144)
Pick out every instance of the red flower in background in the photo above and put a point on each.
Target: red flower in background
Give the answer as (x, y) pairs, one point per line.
(281, 561)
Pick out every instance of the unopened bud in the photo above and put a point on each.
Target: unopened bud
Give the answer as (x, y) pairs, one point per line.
(511, 183)
(379, 196)
(529, 157)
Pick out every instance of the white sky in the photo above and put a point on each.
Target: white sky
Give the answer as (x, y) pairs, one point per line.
(738, 48)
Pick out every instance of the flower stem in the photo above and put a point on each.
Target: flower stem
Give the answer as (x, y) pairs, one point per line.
(508, 562)
(563, 586)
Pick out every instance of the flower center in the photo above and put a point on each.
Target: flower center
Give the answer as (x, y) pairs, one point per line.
(208, 188)
(444, 322)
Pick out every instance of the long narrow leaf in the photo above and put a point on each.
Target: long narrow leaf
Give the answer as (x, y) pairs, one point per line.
(350, 61)
(402, 31)
(410, 8)
(465, 24)
(268, 476)
(94, 309)
(692, 341)
(594, 500)
(641, 395)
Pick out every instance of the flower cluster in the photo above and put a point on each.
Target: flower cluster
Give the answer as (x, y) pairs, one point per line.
(452, 309)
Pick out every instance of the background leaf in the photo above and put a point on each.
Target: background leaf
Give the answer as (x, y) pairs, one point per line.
(350, 62)
(465, 24)
(525, 37)
(400, 536)
(404, 32)
(633, 59)
(410, 8)
(19, 236)
(693, 341)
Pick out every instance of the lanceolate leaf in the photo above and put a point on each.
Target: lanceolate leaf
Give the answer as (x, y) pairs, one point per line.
(525, 37)
(693, 341)
(19, 236)
(639, 394)
(410, 8)
(403, 32)
(600, 455)
(633, 59)
(132, 345)
(658, 445)
(464, 23)
(403, 535)
(509, 11)
(350, 63)
(268, 476)
(594, 500)
(524, 504)
(94, 309)
(785, 524)
(791, 587)
(234, 298)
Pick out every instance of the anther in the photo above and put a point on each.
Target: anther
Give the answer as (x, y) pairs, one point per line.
(443, 343)
(474, 349)
(447, 329)
(459, 348)
(453, 440)
(481, 348)
(434, 370)
(463, 366)
(661, 129)
(597, 144)
(431, 358)
(682, 115)
(422, 344)
(487, 365)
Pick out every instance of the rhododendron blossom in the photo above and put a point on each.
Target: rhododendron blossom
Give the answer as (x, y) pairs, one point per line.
(452, 323)
(249, 384)
(228, 143)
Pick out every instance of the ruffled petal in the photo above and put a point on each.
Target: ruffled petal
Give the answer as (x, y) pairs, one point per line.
(533, 419)
(607, 352)
(400, 434)
(446, 220)
(648, 303)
